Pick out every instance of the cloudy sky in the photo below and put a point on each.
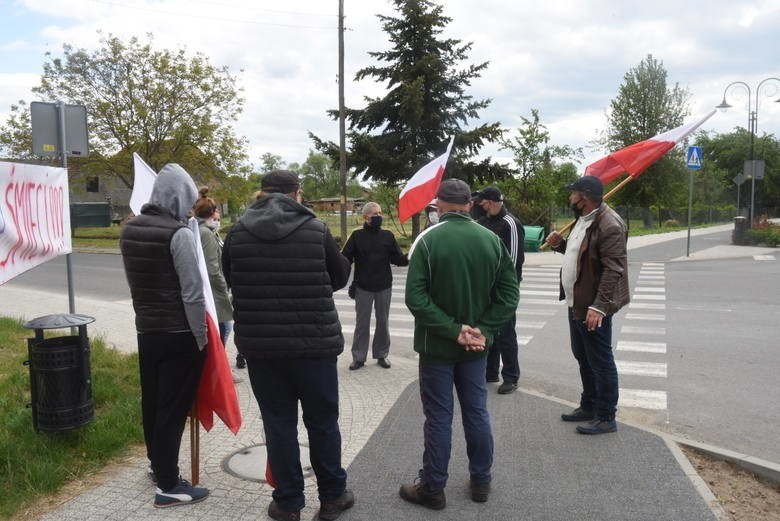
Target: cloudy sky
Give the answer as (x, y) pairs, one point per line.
(565, 58)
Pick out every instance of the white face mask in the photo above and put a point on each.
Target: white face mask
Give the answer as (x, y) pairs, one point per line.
(433, 217)
(214, 224)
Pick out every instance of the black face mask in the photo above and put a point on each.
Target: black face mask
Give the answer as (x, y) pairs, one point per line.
(576, 209)
(376, 221)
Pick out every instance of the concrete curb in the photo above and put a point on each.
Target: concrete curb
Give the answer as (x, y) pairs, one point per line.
(765, 469)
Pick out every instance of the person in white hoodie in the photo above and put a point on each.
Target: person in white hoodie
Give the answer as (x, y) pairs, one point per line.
(161, 265)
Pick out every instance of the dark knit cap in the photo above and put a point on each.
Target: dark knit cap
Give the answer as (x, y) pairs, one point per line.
(454, 191)
(282, 181)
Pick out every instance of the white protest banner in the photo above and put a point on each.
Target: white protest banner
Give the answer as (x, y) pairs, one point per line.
(34, 217)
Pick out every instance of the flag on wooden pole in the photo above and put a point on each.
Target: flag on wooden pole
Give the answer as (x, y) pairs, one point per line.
(422, 186)
(635, 159)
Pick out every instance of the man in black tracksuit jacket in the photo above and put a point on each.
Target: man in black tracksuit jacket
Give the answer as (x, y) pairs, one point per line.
(283, 265)
(510, 230)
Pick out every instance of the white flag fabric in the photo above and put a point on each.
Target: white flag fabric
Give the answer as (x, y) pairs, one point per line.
(422, 186)
(142, 184)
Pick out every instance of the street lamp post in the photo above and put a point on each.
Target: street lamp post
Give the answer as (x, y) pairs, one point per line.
(752, 129)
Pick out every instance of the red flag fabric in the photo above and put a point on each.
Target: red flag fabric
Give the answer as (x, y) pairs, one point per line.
(422, 186)
(216, 390)
(636, 158)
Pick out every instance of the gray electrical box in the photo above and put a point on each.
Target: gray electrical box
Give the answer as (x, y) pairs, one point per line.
(45, 122)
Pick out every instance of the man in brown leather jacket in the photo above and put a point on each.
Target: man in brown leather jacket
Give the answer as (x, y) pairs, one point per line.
(594, 283)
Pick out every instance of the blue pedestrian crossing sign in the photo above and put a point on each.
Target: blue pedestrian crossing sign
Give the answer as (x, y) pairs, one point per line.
(693, 158)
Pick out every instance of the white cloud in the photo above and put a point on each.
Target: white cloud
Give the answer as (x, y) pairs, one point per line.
(566, 58)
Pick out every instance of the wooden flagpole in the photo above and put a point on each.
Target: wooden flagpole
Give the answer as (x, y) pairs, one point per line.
(609, 194)
(195, 443)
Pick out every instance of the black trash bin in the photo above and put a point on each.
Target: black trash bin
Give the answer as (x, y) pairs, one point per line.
(60, 380)
(740, 227)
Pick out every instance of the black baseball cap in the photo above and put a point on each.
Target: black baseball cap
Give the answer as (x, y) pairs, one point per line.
(489, 193)
(587, 184)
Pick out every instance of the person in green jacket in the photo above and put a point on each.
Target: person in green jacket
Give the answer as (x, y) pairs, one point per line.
(462, 288)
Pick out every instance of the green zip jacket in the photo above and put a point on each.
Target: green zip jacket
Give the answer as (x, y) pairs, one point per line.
(459, 273)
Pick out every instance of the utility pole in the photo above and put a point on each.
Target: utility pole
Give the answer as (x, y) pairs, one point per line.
(342, 130)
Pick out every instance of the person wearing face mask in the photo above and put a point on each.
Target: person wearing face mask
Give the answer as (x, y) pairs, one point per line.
(498, 220)
(372, 249)
(594, 283)
(206, 212)
(431, 215)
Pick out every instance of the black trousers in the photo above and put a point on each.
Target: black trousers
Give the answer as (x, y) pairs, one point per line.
(170, 365)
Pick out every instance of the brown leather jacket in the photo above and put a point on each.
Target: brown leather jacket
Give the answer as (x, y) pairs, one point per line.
(602, 266)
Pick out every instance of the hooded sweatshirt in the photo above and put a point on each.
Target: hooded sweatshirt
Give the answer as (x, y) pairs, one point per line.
(283, 266)
(160, 259)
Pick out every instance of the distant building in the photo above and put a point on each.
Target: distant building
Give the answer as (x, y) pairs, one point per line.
(333, 204)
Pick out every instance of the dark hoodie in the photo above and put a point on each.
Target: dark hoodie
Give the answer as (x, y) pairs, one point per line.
(283, 266)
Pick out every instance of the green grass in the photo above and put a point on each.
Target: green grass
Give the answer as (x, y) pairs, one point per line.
(34, 464)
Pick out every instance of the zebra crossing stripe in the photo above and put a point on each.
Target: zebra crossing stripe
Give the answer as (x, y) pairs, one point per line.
(642, 347)
(524, 339)
(646, 305)
(648, 289)
(638, 330)
(643, 399)
(654, 369)
(642, 296)
(645, 316)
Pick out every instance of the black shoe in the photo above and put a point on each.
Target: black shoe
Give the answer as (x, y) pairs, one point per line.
(240, 361)
(479, 491)
(274, 512)
(330, 510)
(419, 494)
(507, 388)
(491, 379)
(383, 362)
(356, 365)
(598, 427)
(577, 415)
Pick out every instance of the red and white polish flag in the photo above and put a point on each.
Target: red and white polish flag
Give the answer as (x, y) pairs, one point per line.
(636, 158)
(216, 390)
(422, 186)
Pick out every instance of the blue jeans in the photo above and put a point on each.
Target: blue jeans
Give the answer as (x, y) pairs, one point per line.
(593, 351)
(436, 382)
(225, 328)
(504, 349)
(278, 385)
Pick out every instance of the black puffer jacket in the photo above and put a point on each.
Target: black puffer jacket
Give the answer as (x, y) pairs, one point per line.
(283, 265)
(156, 293)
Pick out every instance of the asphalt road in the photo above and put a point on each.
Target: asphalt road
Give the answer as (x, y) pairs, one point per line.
(697, 349)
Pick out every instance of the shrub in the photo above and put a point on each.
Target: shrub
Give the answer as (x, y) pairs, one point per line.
(769, 235)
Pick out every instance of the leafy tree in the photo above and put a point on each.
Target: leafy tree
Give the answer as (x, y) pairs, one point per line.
(540, 171)
(646, 106)
(16, 134)
(165, 105)
(426, 102)
(269, 162)
(724, 156)
(320, 179)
